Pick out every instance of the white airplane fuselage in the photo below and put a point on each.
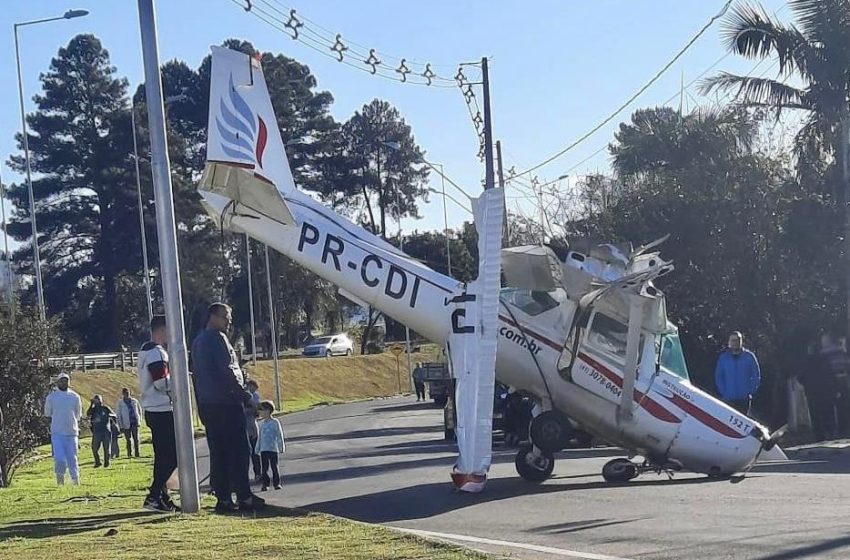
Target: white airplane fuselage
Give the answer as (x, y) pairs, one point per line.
(673, 420)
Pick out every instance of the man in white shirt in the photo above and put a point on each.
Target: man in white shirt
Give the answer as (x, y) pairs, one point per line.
(129, 413)
(64, 408)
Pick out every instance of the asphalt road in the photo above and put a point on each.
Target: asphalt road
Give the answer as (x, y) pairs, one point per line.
(386, 462)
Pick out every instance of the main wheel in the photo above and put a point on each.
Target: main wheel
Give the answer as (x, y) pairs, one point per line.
(534, 469)
(619, 470)
(349, 352)
(551, 431)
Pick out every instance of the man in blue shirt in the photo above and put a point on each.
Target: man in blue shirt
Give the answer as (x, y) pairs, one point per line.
(737, 374)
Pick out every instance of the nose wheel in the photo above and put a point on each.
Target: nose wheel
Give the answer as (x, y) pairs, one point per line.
(533, 464)
(619, 470)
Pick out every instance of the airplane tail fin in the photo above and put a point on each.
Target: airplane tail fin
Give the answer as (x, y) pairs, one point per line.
(246, 159)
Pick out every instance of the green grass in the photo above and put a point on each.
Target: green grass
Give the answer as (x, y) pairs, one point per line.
(103, 518)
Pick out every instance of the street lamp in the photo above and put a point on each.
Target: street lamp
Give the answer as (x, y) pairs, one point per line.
(397, 146)
(147, 270)
(70, 14)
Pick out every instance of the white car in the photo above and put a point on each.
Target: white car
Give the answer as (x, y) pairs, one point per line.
(334, 345)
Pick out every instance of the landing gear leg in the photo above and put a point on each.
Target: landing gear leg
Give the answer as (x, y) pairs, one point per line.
(533, 464)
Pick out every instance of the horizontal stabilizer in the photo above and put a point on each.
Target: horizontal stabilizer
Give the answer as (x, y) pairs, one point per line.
(251, 193)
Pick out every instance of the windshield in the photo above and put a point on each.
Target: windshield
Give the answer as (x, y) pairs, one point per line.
(321, 340)
(672, 359)
(530, 302)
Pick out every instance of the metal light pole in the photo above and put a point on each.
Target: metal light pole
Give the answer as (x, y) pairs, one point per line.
(251, 302)
(147, 270)
(446, 220)
(70, 14)
(11, 276)
(169, 262)
(273, 330)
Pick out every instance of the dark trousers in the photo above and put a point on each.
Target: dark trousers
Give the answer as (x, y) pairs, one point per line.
(101, 438)
(132, 434)
(822, 412)
(164, 449)
(269, 459)
(255, 457)
(229, 449)
(420, 390)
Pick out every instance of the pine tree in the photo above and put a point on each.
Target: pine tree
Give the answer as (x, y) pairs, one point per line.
(80, 140)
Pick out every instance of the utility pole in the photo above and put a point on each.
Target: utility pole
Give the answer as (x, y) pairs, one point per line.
(489, 182)
(844, 149)
(169, 263)
(273, 329)
(251, 302)
(147, 271)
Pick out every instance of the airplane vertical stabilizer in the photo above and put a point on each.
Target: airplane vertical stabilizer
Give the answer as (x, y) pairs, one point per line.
(243, 131)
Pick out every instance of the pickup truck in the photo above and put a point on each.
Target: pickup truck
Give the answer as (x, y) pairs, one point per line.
(436, 376)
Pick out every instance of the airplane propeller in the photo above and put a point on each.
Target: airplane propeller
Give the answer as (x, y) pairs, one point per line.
(766, 445)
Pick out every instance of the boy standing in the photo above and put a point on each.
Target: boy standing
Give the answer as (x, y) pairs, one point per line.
(101, 436)
(269, 444)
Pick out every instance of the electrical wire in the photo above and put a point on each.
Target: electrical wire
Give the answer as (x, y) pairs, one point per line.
(631, 99)
(295, 29)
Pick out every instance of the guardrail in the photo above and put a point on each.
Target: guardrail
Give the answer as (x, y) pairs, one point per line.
(85, 362)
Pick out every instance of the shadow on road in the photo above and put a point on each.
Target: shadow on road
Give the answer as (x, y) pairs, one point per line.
(837, 464)
(810, 551)
(370, 433)
(575, 526)
(427, 500)
(424, 406)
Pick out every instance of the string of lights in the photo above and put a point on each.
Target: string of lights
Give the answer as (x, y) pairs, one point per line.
(333, 45)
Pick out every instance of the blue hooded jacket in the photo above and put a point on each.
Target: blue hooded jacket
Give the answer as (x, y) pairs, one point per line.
(737, 376)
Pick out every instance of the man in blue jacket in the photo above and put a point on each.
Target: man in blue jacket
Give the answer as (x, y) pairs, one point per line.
(221, 395)
(737, 374)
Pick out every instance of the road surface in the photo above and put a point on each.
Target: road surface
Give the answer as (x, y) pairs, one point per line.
(386, 462)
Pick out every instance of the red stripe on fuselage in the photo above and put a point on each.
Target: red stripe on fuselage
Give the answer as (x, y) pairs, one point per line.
(648, 404)
(704, 417)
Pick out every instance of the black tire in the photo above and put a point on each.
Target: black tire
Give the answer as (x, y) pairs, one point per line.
(534, 472)
(441, 401)
(619, 470)
(349, 352)
(551, 431)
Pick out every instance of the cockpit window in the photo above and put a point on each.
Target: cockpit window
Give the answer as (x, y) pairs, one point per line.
(672, 359)
(608, 335)
(530, 302)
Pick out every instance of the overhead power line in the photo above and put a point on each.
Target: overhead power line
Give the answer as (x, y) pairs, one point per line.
(637, 94)
(334, 46)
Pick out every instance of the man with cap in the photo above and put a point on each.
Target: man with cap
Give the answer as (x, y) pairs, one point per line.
(64, 407)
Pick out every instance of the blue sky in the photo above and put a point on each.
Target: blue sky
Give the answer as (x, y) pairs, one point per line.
(558, 67)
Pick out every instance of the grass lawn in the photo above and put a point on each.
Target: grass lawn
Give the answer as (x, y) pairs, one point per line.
(103, 518)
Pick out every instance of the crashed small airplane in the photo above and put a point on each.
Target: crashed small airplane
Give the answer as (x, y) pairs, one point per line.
(583, 330)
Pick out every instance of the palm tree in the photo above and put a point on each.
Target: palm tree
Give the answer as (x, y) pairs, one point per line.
(815, 52)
